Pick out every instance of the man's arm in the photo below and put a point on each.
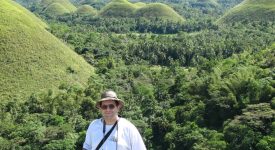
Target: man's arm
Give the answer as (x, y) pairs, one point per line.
(136, 140)
(87, 145)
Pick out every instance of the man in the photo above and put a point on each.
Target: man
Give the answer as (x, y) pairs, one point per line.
(123, 134)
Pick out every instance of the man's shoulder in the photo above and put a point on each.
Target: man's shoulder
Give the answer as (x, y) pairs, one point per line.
(128, 127)
(95, 122)
(124, 120)
(126, 123)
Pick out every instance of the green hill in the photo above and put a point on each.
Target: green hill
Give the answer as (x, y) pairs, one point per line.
(140, 4)
(159, 10)
(87, 10)
(65, 3)
(118, 8)
(250, 10)
(56, 9)
(123, 8)
(31, 58)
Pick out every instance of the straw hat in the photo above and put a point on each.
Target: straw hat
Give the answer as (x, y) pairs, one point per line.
(109, 95)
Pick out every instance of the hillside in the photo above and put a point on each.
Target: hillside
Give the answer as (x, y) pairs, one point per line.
(250, 10)
(123, 8)
(86, 10)
(55, 9)
(31, 58)
(159, 10)
(65, 3)
(118, 8)
(140, 4)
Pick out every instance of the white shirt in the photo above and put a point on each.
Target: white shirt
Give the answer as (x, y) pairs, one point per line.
(125, 136)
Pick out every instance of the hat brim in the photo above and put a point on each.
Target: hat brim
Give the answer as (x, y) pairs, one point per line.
(121, 103)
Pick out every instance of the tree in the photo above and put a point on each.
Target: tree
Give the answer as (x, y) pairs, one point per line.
(247, 130)
(190, 136)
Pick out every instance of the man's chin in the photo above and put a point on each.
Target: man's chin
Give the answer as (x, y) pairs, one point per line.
(108, 115)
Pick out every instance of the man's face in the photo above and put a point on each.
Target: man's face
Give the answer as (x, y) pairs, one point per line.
(109, 109)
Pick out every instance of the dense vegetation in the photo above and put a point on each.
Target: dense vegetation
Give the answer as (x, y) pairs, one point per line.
(202, 86)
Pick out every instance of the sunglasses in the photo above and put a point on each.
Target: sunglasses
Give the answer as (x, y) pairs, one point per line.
(104, 107)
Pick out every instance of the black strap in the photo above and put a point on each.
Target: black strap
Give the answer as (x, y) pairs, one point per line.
(105, 137)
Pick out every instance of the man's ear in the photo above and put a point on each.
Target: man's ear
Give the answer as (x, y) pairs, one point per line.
(119, 106)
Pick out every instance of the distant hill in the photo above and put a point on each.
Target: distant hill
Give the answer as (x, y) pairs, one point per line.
(250, 10)
(140, 4)
(158, 10)
(86, 10)
(49, 7)
(31, 58)
(65, 3)
(123, 8)
(118, 8)
(56, 9)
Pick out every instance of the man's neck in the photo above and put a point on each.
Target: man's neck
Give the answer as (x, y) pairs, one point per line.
(110, 121)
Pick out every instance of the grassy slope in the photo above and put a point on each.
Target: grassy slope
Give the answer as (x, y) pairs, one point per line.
(140, 4)
(31, 58)
(123, 8)
(252, 10)
(56, 9)
(86, 9)
(159, 10)
(118, 8)
(65, 3)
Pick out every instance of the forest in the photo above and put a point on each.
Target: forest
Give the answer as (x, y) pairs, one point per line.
(192, 85)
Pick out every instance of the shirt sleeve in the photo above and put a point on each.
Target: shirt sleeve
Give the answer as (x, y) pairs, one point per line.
(88, 140)
(136, 140)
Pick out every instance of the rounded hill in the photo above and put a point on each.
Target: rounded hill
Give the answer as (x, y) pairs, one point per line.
(55, 9)
(32, 59)
(86, 10)
(118, 8)
(250, 10)
(140, 4)
(159, 10)
(65, 3)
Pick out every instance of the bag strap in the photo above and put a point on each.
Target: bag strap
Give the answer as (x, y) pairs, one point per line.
(105, 137)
